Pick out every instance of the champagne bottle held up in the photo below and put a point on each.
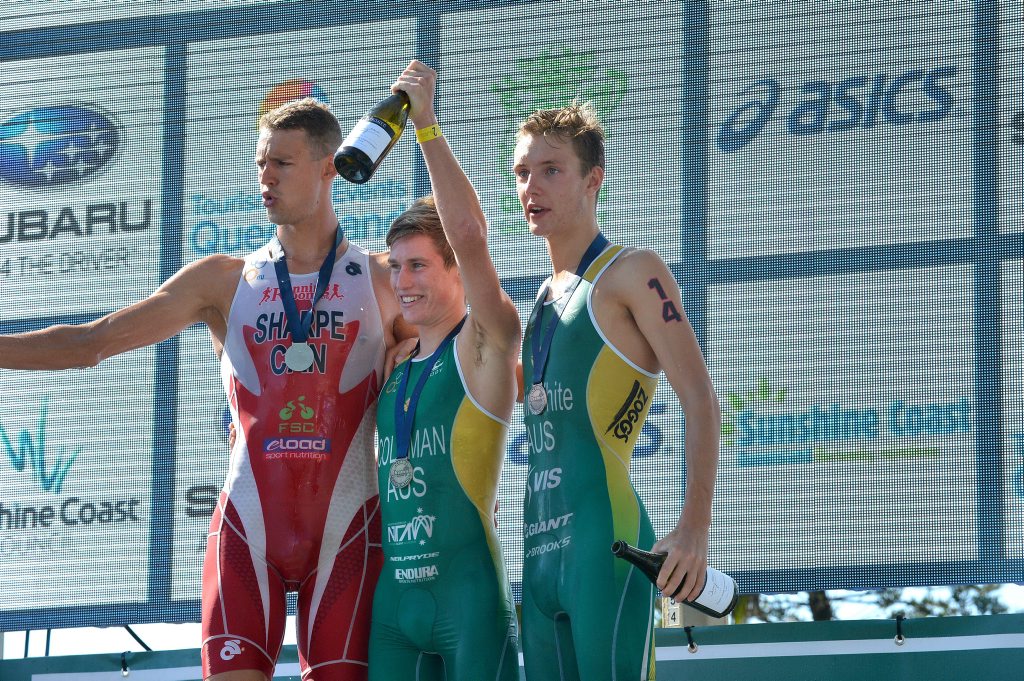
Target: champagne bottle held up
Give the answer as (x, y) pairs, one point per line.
(372, 138)
(717, 598)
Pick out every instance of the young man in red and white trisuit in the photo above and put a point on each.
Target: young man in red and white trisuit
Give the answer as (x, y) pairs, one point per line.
(299, 509)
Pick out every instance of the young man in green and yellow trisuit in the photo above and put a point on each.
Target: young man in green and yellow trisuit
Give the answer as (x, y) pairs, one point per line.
(443, 609)
(604, 325)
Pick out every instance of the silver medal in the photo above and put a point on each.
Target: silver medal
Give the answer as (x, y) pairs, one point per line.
(298, 357)
(537, 399)
(401, 473)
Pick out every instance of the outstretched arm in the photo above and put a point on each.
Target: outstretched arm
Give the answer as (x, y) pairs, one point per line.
(200, 292)
(493, 313)
(652, 298)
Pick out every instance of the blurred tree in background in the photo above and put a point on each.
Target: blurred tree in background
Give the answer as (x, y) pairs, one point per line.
(820, 606)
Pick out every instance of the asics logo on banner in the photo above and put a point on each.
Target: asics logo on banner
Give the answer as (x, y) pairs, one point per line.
(754, 115)
(231, 648)
(823, 106)
(56, 145)
(419, 529)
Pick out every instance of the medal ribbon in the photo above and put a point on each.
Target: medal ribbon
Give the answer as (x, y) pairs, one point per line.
(300, 324)
(404, 415)
(540, 343)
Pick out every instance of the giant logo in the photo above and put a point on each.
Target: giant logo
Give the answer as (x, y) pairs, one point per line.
(824, 106)
(56, 145)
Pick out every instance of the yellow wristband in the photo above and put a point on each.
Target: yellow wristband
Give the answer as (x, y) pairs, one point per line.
(428, 133)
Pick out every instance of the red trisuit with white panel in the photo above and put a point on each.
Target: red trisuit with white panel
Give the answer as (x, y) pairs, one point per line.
(299, 510)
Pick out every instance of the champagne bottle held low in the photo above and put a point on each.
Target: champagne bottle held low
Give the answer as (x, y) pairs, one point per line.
(717, 598)
(362, 152)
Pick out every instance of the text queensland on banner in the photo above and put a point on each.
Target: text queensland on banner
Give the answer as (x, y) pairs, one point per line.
(235, 222)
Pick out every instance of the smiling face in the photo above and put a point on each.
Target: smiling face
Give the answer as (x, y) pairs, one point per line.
(428, 293)
(292, 181)
(555, 193)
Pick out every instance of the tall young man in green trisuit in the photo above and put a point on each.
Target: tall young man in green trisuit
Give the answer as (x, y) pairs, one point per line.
(443, 609)
(606, 322)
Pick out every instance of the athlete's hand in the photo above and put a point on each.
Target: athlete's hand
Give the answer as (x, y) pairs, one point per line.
(686, 562)
(418, 81)
(398, 354)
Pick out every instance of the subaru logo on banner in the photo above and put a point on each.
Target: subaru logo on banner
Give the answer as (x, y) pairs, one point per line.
(55, 145)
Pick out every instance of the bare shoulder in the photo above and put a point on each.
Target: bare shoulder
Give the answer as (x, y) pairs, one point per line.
(380, 270)
(634, 260)
(633, 271)
(221, 264)
(209, 282)
(395, 327)
(217, 270)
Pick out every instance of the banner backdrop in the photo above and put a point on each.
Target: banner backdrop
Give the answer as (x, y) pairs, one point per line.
(232, 83)
(835, 186)
(80, 185)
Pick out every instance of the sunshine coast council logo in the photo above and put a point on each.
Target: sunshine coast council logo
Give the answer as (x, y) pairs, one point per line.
(28, 452)
(766, 427)
(764, 395)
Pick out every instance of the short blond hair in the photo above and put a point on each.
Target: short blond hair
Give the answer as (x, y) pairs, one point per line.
(576, 123)
(311, 116)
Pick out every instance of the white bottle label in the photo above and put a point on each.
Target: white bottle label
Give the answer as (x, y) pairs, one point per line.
(719, 588)
(368, 137)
